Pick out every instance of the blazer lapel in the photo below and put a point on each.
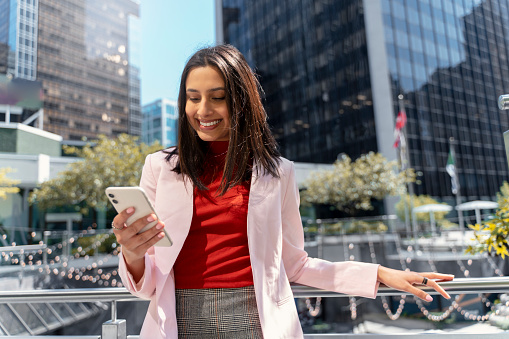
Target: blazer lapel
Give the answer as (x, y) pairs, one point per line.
(261, 193)
(261, 187)
(174, 205)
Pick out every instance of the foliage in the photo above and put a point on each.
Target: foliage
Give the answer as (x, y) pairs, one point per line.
(111, 162)
(6, 183)
(416, 201)
(349, 227)
(351, 186)
(100, 243)
(491, 236)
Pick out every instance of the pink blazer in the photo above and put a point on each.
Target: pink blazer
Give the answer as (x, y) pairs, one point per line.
(276, 247)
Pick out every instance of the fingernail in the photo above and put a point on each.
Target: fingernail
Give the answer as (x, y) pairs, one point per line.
(130, 210)
(448, 296)
(150, 219)
(160, 235)
(429, 298)
(159, 226)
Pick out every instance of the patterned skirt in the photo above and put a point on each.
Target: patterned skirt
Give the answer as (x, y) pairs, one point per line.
(217, 313)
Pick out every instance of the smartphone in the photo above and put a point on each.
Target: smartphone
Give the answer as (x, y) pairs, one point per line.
(124, 197)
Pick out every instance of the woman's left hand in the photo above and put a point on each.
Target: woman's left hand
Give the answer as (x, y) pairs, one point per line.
(405, 281)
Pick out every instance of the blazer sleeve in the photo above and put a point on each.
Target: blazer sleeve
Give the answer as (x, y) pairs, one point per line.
(145, 288)
(349, 277)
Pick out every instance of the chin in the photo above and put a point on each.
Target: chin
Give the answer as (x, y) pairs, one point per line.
(209, 138)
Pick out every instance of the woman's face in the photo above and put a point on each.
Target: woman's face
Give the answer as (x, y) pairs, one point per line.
(206, 108)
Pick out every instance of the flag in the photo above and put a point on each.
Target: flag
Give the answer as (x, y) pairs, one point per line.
(400, 123)
(451, 169)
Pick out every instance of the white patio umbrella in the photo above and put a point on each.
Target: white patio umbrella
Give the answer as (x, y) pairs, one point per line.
(431, 209)
(477, 205)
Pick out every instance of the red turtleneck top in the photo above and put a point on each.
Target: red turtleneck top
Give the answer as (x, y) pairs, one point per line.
(215, 253)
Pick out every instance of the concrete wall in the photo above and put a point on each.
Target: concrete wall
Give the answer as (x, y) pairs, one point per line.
(31, 171)
(7, 140)
(304, 170)
(23, 139)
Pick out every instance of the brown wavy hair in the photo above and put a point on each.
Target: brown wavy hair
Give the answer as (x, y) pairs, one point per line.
(250, 135)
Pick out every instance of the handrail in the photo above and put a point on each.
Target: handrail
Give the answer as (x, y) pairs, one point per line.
(458, 286)
(22, 248)
(116, 328)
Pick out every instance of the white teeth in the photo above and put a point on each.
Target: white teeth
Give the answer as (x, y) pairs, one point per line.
(212, 123)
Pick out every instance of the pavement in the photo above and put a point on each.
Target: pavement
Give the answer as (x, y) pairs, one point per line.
(381, 324)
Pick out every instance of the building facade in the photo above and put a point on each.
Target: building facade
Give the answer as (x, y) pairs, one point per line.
(332, 72)
(20, 100)
(87, 56)
(160, 122)
(18, 38)
(85, 66)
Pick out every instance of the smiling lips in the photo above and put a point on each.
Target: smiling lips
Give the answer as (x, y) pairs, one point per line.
(209, 124)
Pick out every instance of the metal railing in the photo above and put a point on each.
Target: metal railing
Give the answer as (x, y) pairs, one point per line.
(116, 328)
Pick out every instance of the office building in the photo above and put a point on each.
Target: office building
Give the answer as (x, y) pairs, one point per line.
(18, 38)
(87, 69)
(160, 122)
(332, 72)
(86, 54)
(20, 100)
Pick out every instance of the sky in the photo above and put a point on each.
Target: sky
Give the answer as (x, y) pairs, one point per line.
(172, 30)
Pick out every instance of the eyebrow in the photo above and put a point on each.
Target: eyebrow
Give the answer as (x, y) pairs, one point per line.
(210, 90)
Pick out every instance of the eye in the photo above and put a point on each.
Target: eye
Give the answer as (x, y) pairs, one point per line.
(194, 99)
(219, 99)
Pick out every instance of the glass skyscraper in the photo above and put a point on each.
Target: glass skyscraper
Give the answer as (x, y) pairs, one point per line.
(85, 65)
(332, 72)
(450, 58)
(86, 53)
(160, 122)
(18, 62)
(18, 38)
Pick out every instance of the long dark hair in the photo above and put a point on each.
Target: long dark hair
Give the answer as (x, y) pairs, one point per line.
(250, 135)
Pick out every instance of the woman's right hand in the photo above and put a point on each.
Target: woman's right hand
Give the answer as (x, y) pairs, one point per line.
(134, 245)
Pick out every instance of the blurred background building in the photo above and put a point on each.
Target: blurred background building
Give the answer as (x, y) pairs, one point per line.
(160, 121)
(332, 72)
(20, 94)
(85, 54)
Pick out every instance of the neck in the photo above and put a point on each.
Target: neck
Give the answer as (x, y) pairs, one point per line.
(218, 147)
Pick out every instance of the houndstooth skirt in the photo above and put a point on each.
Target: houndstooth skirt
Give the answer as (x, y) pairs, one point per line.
(218, 313)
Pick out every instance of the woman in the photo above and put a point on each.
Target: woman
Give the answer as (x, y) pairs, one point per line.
(231, 206)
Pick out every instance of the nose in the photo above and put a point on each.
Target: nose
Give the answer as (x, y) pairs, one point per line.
(204, 108)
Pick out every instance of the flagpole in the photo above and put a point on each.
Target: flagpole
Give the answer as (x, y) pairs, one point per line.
(458, 190)
(405, 164)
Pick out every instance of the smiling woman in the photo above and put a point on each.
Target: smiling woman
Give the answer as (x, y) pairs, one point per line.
(231, 204)
(206, 107)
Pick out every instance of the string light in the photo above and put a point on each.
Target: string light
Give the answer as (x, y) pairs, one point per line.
(72, 273)
(385, 304)
(93, 274)
(314, 311)
(346, 256)
(353, 308)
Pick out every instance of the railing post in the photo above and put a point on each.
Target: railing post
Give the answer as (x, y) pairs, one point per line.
(320, 238)
(114, 328)
(46, 235)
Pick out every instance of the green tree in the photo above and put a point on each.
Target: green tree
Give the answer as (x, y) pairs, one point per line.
(110, 162)
(351, 186)
(419, 200)
(6, 183)
(491, 236)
